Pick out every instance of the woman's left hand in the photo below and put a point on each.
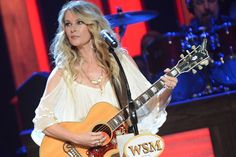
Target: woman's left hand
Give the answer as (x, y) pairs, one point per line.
(169, 81)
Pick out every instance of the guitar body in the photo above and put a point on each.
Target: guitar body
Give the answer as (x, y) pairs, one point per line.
(97, 117)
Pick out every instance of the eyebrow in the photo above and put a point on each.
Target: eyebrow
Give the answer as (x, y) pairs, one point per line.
(66, 20)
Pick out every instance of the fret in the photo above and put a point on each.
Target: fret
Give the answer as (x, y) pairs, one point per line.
(154, 89)
(111, 124)
(142, 99)
(159, 85)
(146, 97)
(125, 110)
(138, 103)
(116, 121)
(150, 93)
(174, 72)
(121, 118)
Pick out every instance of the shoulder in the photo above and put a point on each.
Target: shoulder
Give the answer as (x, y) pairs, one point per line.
(127, 58)
(54, 79)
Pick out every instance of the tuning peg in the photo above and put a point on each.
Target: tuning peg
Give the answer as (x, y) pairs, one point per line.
(199, 67)
(205, 62)
(187, 51)
(193, 47)
(222, 60)
(194, 71)
(182, 56)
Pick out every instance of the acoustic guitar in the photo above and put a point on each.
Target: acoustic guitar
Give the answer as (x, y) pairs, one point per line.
(109, 120)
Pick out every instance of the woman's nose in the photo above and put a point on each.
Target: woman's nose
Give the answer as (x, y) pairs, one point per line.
(73, 28)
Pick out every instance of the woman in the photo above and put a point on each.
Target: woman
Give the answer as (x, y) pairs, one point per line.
(82, 78)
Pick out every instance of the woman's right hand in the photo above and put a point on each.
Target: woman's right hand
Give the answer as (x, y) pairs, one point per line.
(89, 139)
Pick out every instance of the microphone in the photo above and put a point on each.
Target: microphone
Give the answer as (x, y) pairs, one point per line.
(107, 37)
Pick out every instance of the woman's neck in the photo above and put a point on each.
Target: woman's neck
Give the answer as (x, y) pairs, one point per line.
(88, 55)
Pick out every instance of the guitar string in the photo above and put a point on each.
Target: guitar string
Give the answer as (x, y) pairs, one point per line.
(103, 127)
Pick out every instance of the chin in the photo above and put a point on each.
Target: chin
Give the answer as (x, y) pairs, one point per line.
(75, 44)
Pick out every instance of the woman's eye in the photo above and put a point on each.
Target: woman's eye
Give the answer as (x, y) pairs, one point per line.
(80, 22)
(67, 24)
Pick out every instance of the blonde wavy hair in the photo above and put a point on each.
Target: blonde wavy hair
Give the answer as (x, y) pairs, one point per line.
(65, 55)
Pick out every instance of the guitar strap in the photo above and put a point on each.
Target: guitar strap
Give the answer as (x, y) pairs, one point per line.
(123, 95)
(120, 90)
(121, 87)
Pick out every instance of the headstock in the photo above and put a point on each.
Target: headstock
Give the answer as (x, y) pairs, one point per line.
(196, 58)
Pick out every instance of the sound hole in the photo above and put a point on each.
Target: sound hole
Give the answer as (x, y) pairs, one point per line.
(106, 132)
(103, 128)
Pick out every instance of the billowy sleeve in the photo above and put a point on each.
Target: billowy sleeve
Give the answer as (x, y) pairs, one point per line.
(151, 120)
(44, 113)
(151, 115)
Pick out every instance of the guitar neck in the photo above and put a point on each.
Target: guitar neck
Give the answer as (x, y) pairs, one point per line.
(154, 89)
(117, 120)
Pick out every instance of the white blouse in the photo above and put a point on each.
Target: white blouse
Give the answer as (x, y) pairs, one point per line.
(59, 105)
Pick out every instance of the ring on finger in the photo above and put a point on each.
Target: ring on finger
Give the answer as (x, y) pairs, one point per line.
(98, 143)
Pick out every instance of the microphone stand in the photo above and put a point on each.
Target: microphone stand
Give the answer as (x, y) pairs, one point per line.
(132, 110)
(122, 28)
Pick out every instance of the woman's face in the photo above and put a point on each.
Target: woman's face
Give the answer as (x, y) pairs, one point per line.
(76, 30)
